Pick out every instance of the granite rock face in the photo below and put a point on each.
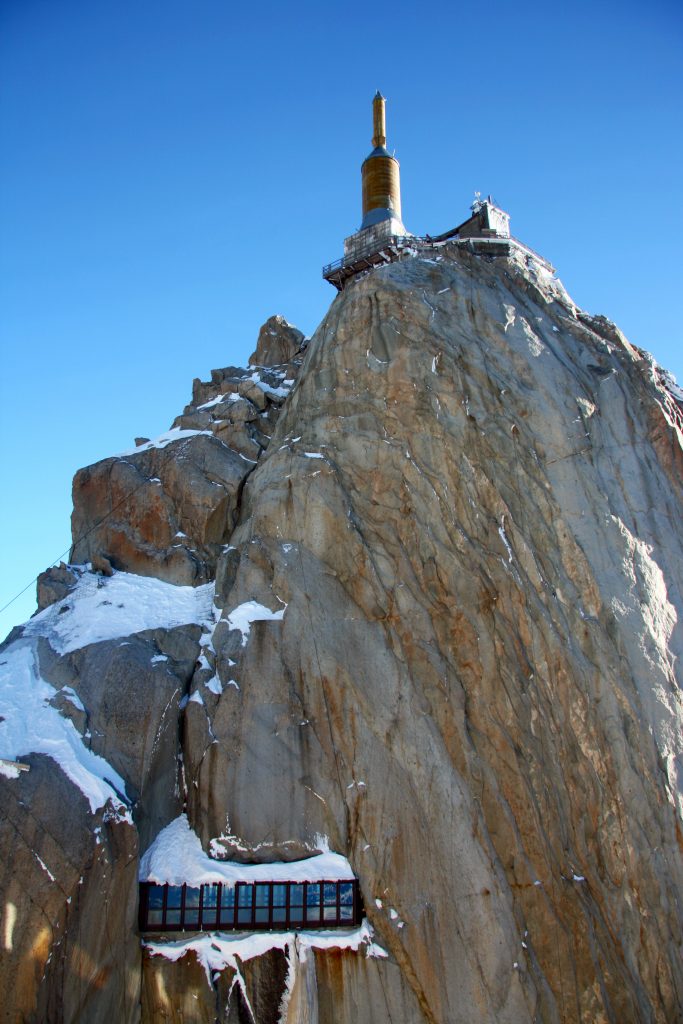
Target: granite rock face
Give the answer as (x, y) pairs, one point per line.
(70, 953)
(278, 342)
(168, 507)
(54, 584)
(465, 525)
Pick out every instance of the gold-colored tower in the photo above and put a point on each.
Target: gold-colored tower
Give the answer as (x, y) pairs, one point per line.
(380, 173)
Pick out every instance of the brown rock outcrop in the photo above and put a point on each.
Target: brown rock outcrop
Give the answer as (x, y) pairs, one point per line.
(278, 343)
(54, 584)
(167, 508)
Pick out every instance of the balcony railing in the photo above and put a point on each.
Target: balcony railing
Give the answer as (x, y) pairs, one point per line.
(373, 255)
(360, 255)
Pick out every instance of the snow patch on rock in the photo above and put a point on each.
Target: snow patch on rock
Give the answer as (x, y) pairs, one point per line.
(242, 617)
(103, 608)
(217, 950)
(176, 857)
(29, 724)
(174, 434)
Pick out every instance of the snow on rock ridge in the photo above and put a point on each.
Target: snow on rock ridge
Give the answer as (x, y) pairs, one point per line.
(101, 608)
(176, 857)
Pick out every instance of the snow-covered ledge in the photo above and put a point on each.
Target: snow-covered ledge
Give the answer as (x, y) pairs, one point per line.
(176, 858)
(217, 950)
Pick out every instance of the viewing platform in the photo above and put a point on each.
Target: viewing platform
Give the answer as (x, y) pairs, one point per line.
(388, 250)
(397, 247)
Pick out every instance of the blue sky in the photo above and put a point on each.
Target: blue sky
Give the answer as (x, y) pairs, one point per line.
(174, 173)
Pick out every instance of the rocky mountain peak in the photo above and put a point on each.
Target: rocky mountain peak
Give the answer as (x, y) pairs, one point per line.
(408, 595)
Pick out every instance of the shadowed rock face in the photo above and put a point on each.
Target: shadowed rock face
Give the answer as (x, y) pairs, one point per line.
(470, 506)
(70, 952)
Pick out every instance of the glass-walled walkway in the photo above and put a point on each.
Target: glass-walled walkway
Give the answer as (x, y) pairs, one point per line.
(249, 907)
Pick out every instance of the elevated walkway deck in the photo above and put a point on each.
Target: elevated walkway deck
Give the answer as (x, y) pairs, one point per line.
(397, 247)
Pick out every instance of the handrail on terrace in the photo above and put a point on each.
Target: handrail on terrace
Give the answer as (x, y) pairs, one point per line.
(369, 250)
(423, 241)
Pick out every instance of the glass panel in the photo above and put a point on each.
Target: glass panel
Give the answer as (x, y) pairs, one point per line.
(191, 898)
(191, 915)
(244, 895)
(155, 897)
(210, 896)
(244, 905)
(346, 893)
(262, 896)
(279, 896)
(175, 895)
(227, 915)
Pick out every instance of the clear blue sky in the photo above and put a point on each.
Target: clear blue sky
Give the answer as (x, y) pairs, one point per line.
(174, 173)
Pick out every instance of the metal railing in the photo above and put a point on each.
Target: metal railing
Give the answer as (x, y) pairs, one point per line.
(421, 242)
(370, 250)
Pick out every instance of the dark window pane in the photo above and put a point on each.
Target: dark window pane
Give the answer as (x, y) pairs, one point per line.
(346, 893)
(248, 906)
(227, 915)
(155, 897)
(175, 895)
(244, 895)
(210, 896)
(191, 898)
(262, 895)
(279, 895)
